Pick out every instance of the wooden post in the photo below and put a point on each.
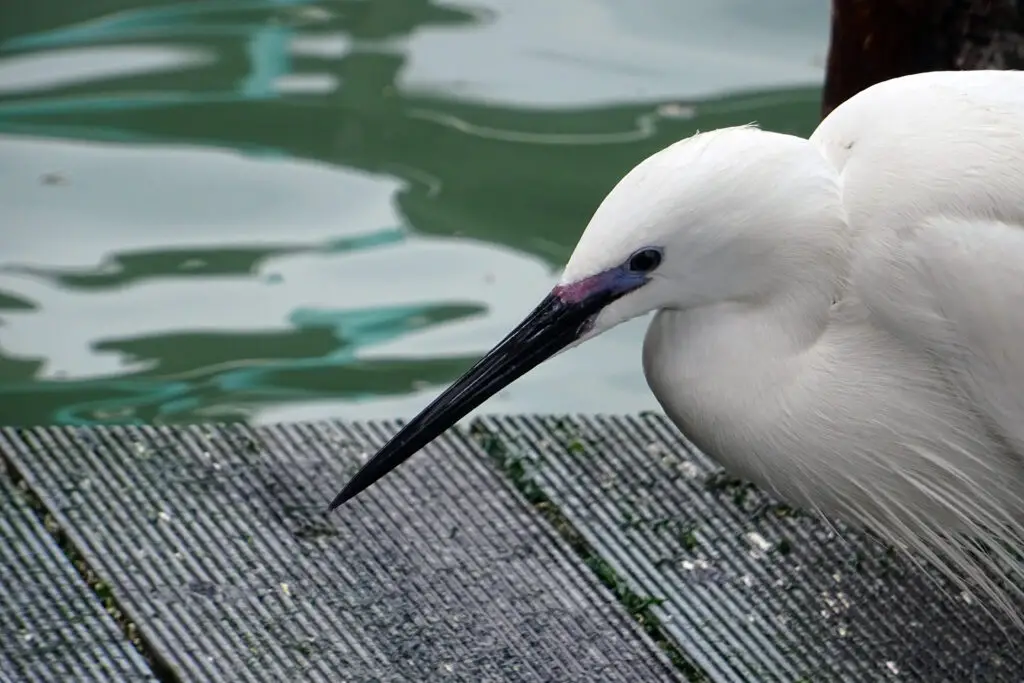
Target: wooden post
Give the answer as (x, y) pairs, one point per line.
(875, 40)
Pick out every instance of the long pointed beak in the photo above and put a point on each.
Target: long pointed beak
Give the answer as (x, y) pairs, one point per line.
(560, 319)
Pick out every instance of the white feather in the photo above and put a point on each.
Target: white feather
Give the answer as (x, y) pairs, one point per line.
(841, 319)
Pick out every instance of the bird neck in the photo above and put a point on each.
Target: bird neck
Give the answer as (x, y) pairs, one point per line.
(715, 362)
(726, 376)
(741, 337)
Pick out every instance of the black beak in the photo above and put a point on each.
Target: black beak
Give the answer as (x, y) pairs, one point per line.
(560, 319)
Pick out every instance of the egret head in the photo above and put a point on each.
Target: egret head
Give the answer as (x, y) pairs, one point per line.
(706, 220)
(734, 215)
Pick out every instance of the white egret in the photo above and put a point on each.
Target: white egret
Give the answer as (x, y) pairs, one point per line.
(839, 319)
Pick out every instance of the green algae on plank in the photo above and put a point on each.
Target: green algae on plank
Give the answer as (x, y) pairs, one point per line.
(100, 588)
(638, 606)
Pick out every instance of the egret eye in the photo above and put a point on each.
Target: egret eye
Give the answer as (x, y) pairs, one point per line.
(645, 260)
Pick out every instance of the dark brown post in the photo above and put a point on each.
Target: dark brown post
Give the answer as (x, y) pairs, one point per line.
(875, 40)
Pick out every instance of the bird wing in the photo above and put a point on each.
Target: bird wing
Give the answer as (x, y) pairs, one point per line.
(933, 185)
(954, 289)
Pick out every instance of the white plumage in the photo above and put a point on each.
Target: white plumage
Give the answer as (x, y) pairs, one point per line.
(841, 320)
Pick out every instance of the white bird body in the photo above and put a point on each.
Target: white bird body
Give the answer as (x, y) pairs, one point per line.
(860, 347)
(839, 319)
(827, 404)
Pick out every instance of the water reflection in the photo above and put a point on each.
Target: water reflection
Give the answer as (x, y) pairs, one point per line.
(240, 210)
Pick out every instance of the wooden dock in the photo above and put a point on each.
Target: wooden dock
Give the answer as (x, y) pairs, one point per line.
(518, 549)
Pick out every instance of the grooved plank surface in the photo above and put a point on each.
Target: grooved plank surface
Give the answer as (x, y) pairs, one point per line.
(752, 592)
(52, 626)
(215, 543)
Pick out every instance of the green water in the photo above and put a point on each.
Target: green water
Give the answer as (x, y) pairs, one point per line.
(275, 210)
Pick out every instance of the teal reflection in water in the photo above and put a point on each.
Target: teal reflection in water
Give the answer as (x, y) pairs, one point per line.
(231, 17)
(279, 365)
(123, 270)
(238, 210)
